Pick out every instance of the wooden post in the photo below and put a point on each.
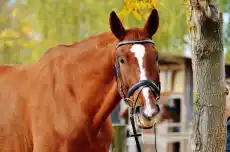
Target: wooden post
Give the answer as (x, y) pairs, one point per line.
(119, 138)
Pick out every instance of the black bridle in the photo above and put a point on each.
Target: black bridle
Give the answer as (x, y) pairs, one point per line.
(155, 88)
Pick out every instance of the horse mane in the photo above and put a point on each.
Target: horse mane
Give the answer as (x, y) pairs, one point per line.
(5, 68)
(90, 43)
(94, 42)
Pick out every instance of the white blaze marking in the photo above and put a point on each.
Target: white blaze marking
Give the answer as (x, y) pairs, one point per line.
(139, 52)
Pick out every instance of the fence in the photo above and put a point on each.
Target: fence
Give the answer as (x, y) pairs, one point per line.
(165, 136)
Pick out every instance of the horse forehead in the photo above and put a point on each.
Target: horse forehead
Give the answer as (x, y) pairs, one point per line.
(138, 50)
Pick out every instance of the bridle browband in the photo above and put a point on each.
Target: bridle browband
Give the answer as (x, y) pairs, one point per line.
(155, 88)
(134, 42)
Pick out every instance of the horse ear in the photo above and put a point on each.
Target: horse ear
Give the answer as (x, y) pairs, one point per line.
(116, 26)
(152, 23)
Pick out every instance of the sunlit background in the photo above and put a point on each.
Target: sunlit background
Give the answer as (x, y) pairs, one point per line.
(30, 27)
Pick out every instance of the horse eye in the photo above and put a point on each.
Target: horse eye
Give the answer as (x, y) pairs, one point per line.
(122, 61)
(157, 58)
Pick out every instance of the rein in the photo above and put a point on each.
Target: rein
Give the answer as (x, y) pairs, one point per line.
(138, 86)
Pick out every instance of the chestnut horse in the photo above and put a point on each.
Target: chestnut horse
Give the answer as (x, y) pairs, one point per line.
(62, 103)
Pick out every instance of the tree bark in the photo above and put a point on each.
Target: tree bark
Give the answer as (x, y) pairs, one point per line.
(209, 123)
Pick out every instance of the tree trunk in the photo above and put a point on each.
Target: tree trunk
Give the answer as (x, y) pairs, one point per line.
(209, 123)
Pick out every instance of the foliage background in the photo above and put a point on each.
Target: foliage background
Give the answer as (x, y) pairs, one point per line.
(30, 27)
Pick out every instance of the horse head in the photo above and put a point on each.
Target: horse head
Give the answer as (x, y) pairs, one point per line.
(137, 68)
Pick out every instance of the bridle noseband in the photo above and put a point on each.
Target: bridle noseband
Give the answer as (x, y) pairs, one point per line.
(155, 88)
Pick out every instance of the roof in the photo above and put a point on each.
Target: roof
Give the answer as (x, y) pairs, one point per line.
(166, 58)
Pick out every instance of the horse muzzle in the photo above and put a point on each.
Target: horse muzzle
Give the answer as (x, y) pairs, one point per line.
(144, 114)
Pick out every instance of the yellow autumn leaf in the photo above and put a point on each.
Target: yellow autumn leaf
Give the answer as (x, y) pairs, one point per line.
(154, 2)
(138, 6)
(136, 15)
(122, 13)
(142, 4)
(146, 16)
(130, 6)
(149, 5)
(26, 29)
(129, 9)
(4, 33)
(9, 33)
(128, 2)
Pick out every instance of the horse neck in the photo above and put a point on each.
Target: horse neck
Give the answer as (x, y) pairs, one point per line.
(87, 68)
(105, 96)
(109, 101)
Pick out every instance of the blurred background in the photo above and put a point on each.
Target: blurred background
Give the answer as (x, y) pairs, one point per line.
(29, 27)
